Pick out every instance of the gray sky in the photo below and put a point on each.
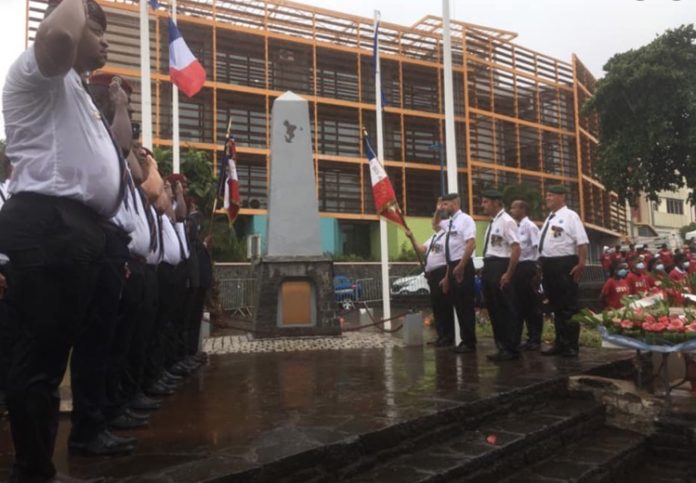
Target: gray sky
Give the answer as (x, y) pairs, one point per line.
(592, 29)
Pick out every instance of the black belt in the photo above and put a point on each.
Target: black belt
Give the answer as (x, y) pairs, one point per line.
(564, 258)
(496, 259)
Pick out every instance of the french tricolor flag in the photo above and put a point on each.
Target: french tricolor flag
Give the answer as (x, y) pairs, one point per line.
(184, 69)
(382, 189)
(231, 198)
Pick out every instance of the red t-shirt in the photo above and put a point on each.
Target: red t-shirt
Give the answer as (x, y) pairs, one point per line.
(692, 266)
(677, 275)
(616, 258)
(606, 262)
(639, 282)
(613, 291)
(666, 257)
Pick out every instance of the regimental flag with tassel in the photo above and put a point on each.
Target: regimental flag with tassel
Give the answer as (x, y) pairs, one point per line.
(185, 70)
(228, 188)
(382, 189)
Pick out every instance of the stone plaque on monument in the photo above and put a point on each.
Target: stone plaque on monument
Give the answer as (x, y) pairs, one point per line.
(294, 279)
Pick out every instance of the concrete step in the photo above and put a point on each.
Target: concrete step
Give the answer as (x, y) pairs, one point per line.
(492, 449)
(605, 455)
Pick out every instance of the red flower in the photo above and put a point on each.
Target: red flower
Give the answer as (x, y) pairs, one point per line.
(649, 318)
(626, 324)
(675, 325)
(663, 320)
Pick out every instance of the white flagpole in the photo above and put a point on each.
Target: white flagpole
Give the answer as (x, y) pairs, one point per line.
(175, 115)
(145, 83)
(450, 131)
(384, 249)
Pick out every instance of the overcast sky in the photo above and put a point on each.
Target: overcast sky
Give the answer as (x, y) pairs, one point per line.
(592, 29)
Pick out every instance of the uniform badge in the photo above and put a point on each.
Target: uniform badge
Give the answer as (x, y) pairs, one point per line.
(557, 231)
(496, 240)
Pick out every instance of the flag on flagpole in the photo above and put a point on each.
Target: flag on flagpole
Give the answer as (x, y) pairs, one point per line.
(185, 70)
(375, 61)
(154, 4)
(382, 189)
(229, 180)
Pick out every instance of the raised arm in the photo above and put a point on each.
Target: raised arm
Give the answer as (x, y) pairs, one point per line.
(58, 38)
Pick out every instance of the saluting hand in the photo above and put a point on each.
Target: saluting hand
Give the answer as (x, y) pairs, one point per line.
(116, 93)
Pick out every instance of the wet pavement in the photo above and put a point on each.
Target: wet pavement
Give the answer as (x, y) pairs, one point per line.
(246, 410)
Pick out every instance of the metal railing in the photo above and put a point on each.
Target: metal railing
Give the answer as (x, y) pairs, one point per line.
(237, 295)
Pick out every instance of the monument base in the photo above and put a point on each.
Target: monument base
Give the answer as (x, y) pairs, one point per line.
(295, 297)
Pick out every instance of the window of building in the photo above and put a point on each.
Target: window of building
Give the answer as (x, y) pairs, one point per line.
(674, 206)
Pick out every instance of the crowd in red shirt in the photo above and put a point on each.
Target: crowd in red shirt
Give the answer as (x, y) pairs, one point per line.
(635, 271)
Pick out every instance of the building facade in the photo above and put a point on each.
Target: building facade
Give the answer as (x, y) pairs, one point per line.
(662, 220)
(518, 118)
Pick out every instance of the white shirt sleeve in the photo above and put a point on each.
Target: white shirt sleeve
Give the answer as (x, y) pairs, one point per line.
(534, 234)
(510, 232)
(25, 75)
(468, 228)
(579, 233)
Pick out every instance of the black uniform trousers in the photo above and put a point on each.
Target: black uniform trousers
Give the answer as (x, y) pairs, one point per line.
(145, 340)
(443, 311)
(118, 376)
(462, 296)
(562, 292)
(56, 246)
(528, 301)
(90, 360)
(500, 303)
(6, 316)
(204, 266)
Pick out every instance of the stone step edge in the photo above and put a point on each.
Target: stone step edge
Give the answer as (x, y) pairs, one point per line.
(542, 443)
(621, 463)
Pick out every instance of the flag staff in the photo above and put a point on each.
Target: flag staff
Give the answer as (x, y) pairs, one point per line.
(176, 159)
(384, 249)
(145, 75)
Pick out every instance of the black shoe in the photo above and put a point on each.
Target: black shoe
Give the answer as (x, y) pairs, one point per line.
(554, 350)
(158, 390)
(122, 439)
(503, 356)
(462, 348)
(103, 444)
(446, 342)
(135, 415)
(179, 369)
(144, 403)
(125, 422)
(530, 346)
(167, 385)
(168, 375)
(570, 353)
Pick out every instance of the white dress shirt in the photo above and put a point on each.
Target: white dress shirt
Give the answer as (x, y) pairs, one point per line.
(435, 252)
(154, 256)
(562, 233)
(501, 234)
(528, 234)
(459, 229)
(56, 139)
(180, 228)
(139, 245)
(172, 249)
(4, 193)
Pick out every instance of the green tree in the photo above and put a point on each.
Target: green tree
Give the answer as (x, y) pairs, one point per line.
(528, 193)
(197, 168)
(686, 229)
(646, 105)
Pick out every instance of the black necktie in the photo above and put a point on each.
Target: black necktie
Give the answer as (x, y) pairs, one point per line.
(543, 233)
(447, 249)
(488, 237)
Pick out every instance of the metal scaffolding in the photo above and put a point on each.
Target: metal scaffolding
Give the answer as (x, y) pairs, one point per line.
(517, 111)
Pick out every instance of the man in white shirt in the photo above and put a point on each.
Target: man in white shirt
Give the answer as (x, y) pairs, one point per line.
(527, 278)
(460, 243)
(501, 252)
(67, 181)
(563, 248)
(435, 271)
